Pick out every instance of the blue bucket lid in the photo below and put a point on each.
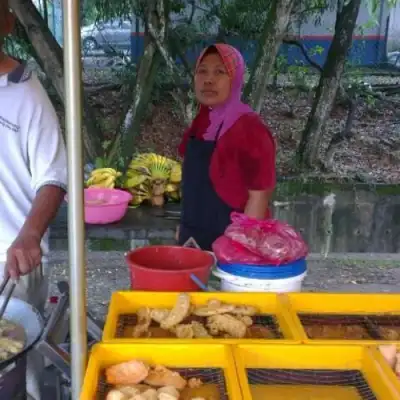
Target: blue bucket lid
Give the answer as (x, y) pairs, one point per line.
(282, 271)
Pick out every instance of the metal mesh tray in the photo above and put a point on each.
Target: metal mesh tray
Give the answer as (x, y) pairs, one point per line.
(274, 322)
(359, 327)
(212, 363)
(350, 383)
(346, 318)
(213, 379)
(308, 371)
(264, 327)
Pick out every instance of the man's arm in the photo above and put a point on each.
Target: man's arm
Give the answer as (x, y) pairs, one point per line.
(48, 168)
(44, 209)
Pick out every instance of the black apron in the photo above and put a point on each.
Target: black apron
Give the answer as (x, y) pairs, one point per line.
(204, 215)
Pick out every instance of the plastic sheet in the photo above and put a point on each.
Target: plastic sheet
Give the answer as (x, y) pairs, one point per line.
(267, 242)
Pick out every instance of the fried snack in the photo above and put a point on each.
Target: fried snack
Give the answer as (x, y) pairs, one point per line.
(260, 332)
(248, 321)
(397, 366)
(115, 394)
(194, 383)
(144, 321)
(149, 394)
(127, 373)
(213, 307)
(204, 392)
(128, 391)
(244, 310)
(184, 331)
(340, 332)
(199, 330)
(389, 352)
(228, 324)
(168, 393)
(389, 333)
(178, 313)
(161, 376)
(159, 314)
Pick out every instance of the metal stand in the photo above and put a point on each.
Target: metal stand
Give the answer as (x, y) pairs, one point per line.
(54, 343)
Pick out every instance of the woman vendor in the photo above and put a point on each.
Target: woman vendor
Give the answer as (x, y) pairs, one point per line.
(229, 154)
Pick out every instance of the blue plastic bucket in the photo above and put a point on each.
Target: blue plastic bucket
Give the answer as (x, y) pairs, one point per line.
(262, 278)
(266, 271)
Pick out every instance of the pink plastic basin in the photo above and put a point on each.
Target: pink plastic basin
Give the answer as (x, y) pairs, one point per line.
(105, 206)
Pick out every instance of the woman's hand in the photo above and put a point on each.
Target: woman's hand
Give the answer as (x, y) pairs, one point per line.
(257, 204)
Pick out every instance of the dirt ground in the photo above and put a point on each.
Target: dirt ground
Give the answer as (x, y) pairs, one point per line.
(371, 155)
(107, 272)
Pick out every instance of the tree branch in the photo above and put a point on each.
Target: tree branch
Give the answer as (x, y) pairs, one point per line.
(297, 43)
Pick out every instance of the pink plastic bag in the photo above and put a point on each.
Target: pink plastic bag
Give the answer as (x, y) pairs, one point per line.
(273, 241)
(229, 252)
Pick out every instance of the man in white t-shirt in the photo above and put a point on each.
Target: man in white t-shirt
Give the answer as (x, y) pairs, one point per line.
(33, 179)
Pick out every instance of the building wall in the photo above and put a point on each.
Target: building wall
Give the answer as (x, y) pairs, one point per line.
(394, 29)
(369, 43)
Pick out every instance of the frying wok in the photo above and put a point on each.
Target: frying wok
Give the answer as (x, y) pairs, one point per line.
(28, 319)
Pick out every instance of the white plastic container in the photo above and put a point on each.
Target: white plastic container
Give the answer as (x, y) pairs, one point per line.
(234, 283)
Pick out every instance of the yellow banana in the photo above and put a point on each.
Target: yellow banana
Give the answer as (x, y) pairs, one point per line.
(176, 173)
(109, 171)
(134, 180)
(170, 188)
(97, 179)
(174, 195)
(108, 183)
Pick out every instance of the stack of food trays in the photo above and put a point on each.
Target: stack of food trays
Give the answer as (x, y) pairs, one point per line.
(230, 346)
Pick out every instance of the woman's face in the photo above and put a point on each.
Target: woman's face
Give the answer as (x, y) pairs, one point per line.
(212, 82)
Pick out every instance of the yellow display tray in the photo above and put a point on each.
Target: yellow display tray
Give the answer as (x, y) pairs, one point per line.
(365, 319)
(127, 303)
(300, 372)
(215, 364)
(386, 367)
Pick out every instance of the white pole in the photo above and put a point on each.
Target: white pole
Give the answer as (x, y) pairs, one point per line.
(76, 227)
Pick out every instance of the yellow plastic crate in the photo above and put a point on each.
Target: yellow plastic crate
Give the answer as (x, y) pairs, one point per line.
(326, 318)
(214, 364)
(123, 306)
(386, 368)
(300, 372)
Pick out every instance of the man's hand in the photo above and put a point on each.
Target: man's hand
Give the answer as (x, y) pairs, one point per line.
(24, 255)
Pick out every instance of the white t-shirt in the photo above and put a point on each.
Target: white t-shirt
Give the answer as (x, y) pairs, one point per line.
(32, 151)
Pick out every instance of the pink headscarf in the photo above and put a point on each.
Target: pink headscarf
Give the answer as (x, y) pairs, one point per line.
(229, 112)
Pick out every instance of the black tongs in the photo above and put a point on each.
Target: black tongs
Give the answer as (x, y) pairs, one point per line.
(7, 291)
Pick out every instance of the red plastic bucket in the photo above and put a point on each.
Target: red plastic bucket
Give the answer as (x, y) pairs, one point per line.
(168, 268)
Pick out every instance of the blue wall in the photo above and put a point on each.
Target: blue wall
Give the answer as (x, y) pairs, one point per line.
(365, 51)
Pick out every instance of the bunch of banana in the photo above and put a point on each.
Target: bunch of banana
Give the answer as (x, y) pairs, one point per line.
(103, 178)
(133, 179)
(172, 191)
(140, 194)
(176, 173)
(159, 167)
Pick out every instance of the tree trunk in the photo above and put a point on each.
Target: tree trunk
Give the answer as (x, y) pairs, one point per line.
(312, 150)
(160, 36)
(141, 90)
(49, 56)
(139, 100)
(274, 30)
